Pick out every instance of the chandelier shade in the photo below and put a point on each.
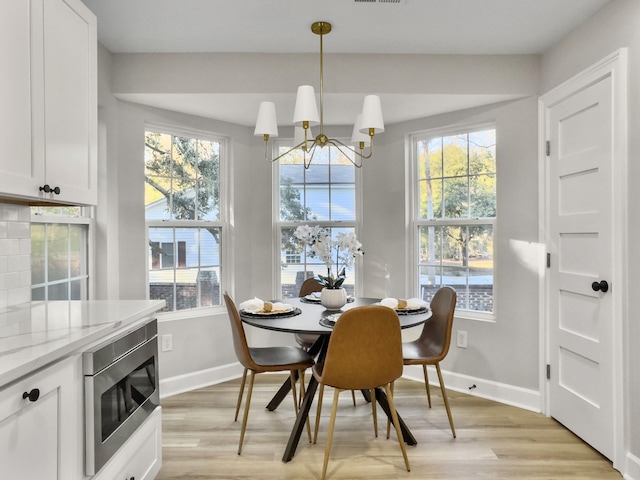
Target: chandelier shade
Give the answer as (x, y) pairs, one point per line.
(306, 109)
(267, 123)
(368, 123)
(371, 115)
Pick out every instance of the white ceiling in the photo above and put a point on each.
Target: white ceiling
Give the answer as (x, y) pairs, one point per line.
(359, 26)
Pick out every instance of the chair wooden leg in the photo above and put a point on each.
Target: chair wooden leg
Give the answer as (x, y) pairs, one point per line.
(246, 411)
(426, 383)
(372, 392)
(240, 393)
(318, 412)
(353, 396)
(294, 392)
(332, 422)
(446, 400)
(396, 424)
(389, 421)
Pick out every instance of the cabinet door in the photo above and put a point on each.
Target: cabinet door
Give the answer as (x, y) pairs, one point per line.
(70, 85)
(37, 435)
(20, 167)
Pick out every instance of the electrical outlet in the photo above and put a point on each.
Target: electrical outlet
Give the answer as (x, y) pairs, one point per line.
(461, 339)
(167, 342)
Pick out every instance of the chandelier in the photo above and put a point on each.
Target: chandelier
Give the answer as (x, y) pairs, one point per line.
(305, 115)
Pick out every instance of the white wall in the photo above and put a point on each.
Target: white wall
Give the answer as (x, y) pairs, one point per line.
(504, 351)
(616, 26)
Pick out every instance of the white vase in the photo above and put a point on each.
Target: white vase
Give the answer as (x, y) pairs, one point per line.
(333, 298)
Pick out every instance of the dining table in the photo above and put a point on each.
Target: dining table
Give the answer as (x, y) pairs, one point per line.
(308, 316)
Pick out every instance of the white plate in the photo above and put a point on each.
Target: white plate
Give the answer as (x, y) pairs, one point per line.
(272, 312)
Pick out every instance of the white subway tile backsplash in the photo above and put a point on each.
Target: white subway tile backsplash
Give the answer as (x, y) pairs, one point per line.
(19, 263)
(19, 230)
(15, 254)
(11, 212)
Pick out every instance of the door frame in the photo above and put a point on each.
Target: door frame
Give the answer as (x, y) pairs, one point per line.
(615, 66)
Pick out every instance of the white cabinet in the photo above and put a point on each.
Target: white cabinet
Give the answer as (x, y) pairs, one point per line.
(140, 458)
(48, 90)
(39, 435)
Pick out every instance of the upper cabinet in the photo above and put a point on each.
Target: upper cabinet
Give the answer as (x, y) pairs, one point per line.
(48, 90)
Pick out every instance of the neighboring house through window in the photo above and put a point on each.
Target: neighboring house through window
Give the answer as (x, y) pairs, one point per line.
(455, 214)
(325, 195)
(183, 217)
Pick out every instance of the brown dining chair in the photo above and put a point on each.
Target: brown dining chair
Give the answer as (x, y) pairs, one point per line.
(310, 285)
(263, 359)
(306, 340)
(364, 352)
(433, 344)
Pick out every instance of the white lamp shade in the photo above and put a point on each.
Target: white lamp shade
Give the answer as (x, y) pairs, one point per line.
(357, 136)
(266, 124)
(306, 109)
(371, 115)
(298, 137)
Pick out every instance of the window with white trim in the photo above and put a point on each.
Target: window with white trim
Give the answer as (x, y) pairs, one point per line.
(324, 194)
(59, 253)
(183, 217)
(455, 214)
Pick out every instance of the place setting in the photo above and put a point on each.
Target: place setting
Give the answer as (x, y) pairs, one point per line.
(256, 307)
(410, 306)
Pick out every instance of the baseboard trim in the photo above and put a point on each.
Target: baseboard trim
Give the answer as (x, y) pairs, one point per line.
(499, 392)
(200, 379)
(632, 467)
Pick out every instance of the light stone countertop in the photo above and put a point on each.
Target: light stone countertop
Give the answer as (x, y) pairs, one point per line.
(36, 334)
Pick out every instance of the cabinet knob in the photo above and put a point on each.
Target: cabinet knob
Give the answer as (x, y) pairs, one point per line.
(47, 189)
(33, 395)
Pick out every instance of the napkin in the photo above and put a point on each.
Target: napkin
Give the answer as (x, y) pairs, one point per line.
(255, 305)
(412, 303)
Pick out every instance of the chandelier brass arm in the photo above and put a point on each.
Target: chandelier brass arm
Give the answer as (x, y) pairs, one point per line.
(367, 124)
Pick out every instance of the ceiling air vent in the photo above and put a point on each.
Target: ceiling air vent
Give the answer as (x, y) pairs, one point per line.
(380, 1)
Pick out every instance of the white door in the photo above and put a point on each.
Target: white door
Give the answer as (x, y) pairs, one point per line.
(580, 304)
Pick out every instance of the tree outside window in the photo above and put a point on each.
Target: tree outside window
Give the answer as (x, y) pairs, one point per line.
(182, 210)
(456, 214)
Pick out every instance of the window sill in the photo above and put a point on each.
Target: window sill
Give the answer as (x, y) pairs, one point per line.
(477, 316)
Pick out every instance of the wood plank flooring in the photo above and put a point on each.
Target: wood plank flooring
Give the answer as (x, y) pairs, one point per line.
(494, 441)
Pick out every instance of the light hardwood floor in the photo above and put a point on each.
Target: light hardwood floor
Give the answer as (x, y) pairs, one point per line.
(494, 441)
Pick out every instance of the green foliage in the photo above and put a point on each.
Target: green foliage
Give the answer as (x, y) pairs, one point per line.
(185, 171)
(457, 176)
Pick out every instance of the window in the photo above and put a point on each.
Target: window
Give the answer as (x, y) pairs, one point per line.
(184, 223)
(325, 195)
(455, 214)
(59, 253)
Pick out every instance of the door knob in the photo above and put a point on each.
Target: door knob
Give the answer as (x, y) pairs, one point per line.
(601, 285)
